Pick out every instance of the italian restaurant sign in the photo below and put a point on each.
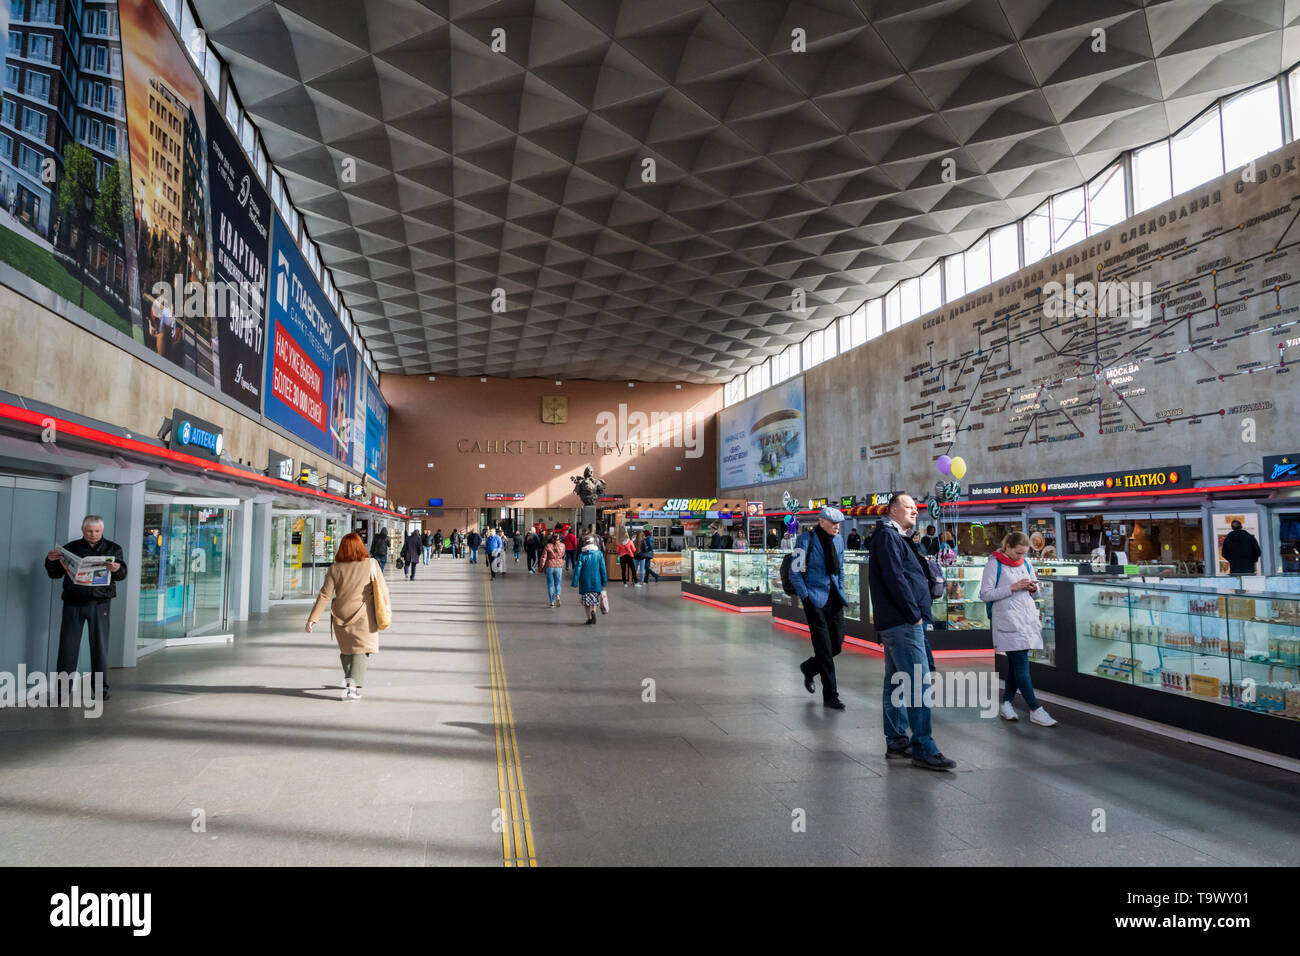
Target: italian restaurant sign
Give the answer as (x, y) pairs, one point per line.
(1099, 483)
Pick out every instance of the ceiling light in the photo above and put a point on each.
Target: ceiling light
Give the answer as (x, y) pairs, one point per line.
(481, 465)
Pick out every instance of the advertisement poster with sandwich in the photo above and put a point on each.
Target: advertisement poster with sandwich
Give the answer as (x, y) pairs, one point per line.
(763, 439)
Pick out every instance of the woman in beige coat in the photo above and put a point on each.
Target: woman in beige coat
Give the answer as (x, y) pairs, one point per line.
(349, 590)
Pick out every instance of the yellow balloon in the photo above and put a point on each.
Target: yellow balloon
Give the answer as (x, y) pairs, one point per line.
(958, 468)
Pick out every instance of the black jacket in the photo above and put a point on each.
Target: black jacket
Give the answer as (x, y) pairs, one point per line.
(1241, 551)
(854, 541)
(411, 547)
(474, 540)
(715, 543)
(426, 540)
(79, 594)
(379, 547)
(930, 545)
(532, 542)
(899, 580)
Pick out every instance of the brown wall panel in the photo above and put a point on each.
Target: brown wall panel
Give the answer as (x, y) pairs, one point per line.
(446, 420)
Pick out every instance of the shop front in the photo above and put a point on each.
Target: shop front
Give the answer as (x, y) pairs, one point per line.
(302, 549)
(184, 570)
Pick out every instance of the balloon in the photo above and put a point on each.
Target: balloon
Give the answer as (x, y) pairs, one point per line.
(944, 463)
(958, 468)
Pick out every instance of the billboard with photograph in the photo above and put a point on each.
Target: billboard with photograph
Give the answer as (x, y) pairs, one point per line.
(764, 439)
(376, 433)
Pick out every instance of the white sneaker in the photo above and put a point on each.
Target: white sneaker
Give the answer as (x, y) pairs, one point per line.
(1008, 712)
(1042, 718)
(347, 687)
(639, 584)
(354, 694)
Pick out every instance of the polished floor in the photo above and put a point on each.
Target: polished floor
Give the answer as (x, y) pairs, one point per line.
(482, 698)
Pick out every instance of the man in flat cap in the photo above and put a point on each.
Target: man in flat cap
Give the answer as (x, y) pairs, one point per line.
(819, 582)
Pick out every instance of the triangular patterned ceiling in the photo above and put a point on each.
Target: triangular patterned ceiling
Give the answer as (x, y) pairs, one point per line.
(774, 169)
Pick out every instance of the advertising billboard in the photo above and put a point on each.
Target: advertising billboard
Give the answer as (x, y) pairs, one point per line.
(241, 236)
(376, 433)
(310, 364)
(764, 439)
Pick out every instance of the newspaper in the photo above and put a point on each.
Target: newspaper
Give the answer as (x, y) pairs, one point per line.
(90, 571)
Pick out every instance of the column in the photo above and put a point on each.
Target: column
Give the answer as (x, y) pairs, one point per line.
(124, 613)
(241, 560)
(259, 578)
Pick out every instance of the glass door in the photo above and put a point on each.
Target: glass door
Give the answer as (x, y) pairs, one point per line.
(184, 570)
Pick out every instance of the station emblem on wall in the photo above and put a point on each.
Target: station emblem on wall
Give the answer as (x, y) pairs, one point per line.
(555, 409)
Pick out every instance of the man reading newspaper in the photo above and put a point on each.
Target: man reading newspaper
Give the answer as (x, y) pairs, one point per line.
(90, 568)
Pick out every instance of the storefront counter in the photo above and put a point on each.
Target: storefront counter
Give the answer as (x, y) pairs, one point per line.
(733, 580)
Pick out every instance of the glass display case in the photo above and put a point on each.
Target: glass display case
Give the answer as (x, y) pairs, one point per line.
(706, 569)
(855, 570)
(1235, 648)
(961, 609)
(745, 573)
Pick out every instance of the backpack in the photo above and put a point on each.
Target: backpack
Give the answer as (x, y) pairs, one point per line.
(988, 605)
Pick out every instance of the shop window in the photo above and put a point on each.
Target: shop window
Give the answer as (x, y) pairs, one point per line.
(1288, 542)
(1252, 125)
(1196, 154)
(1106, 200)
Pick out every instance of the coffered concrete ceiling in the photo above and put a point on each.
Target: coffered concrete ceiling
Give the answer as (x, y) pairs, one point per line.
(774, 170)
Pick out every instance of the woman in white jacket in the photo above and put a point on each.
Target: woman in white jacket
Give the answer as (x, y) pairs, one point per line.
(1009, 585)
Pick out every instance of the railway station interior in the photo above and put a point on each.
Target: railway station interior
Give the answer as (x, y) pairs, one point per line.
(574, 433)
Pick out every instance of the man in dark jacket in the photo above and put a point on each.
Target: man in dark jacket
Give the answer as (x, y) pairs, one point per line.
(817, 573)
(86, 605)
(854, 543)
(1240, 550)
(379, 548)
(472, 541)
(715, 542)
(930, 542)
(899, 580)
(411, 552)
(426, 546)
(532, 548)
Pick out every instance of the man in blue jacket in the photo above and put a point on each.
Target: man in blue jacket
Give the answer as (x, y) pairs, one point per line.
(817, 573)
(493, 546)
(899, 580)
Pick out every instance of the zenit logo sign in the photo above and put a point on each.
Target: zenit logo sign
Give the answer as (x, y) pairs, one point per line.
(1286, 468)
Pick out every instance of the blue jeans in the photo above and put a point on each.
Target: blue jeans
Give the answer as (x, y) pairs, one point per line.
(647, 570)
(427, 552)
(473, 555)
(907, 652)
(554, 582)
(1018, 679)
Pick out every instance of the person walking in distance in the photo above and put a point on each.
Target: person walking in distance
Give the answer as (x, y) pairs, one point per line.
(411, 551)
(532, 548)
(86, 605)
(1240, 550)
(518, 543)
(426, 546)
(819, 583)
(1009, 585)
(379, 548)
(472, 541)
(349, 591)
(493, 548)
(590, 577)
(899, 581)
(437, 544)
(854, 540)
(553, 567)
(570, 547)
(646, 555)
(627, 559)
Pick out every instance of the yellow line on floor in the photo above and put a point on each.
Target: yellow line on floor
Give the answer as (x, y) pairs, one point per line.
(510, 773)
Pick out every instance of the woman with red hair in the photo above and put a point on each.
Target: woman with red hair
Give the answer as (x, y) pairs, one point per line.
(349, 590)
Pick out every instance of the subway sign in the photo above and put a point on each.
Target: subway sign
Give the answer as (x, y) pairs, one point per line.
(690, 504)
(1099, 483)
(194, 436)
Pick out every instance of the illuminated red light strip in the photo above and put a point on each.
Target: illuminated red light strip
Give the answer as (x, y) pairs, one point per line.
(29, 417)
(726, 607)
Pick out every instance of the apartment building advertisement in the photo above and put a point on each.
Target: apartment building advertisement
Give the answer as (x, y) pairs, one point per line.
(376, 433)
(165, 103)
(310, 363)
(241, 232)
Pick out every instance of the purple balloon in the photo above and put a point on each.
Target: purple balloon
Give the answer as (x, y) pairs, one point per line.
(944, 464)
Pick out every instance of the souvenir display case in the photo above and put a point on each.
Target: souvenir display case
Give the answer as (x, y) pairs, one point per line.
(1220, 662)
(735, 580)
(961, 610)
